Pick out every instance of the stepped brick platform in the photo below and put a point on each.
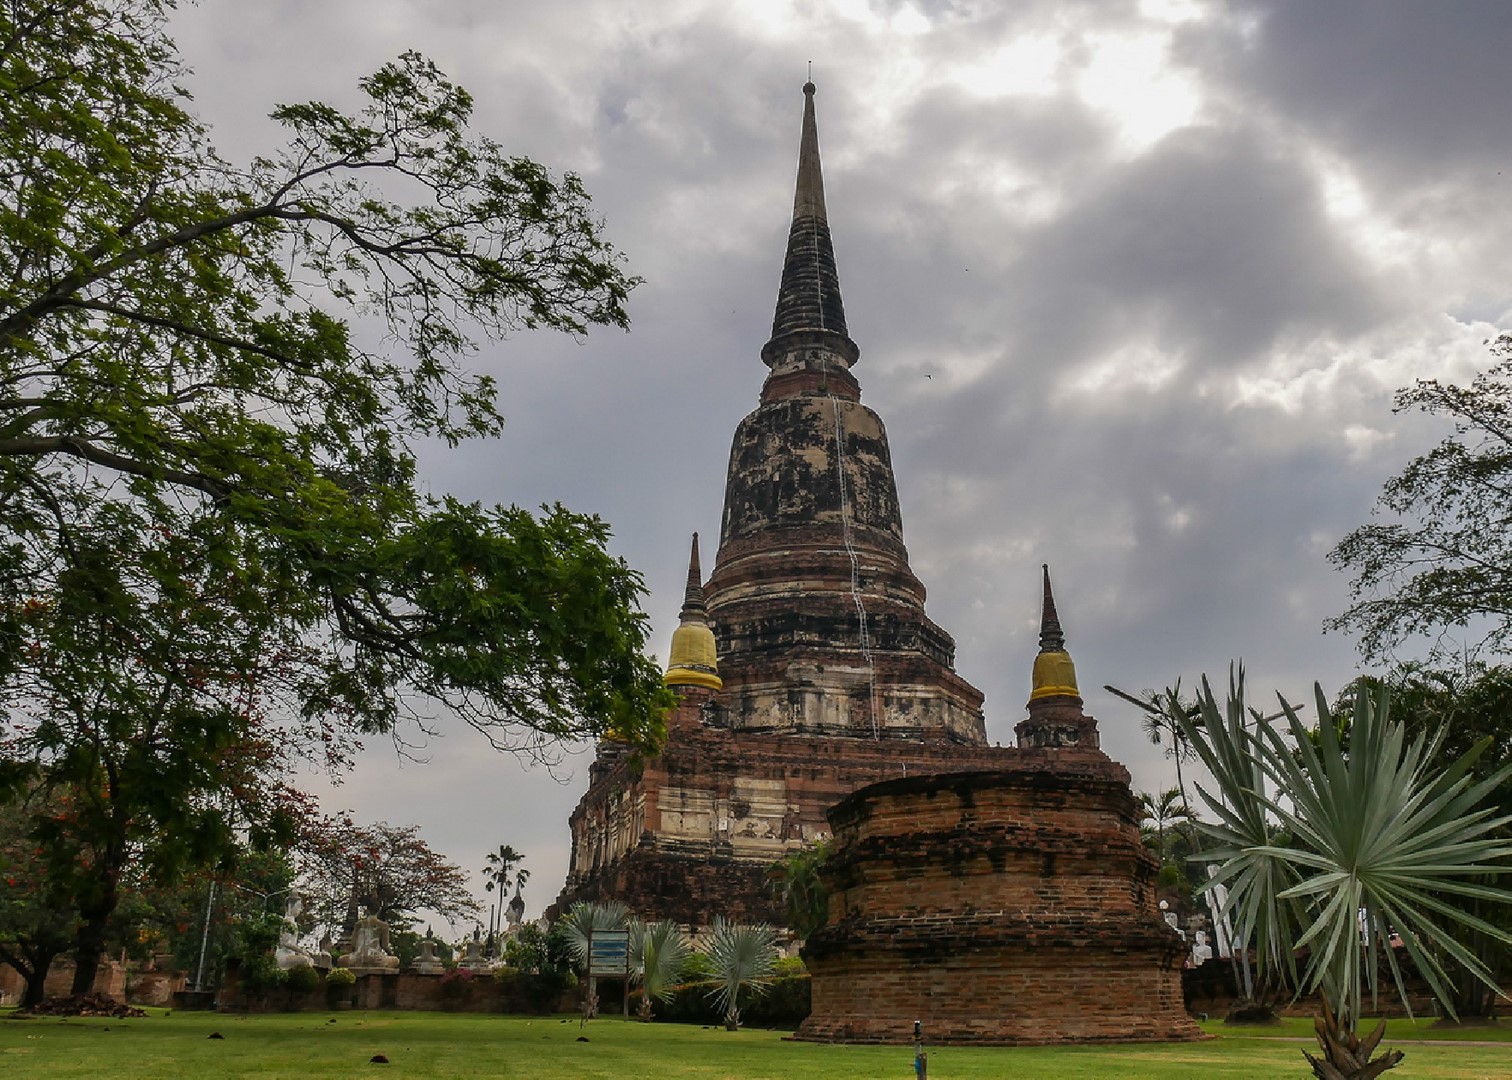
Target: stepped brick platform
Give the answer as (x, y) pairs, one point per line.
(1009, 907)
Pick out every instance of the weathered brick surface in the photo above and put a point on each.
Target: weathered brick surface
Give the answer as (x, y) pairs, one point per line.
(691, 834)
(110, 980)
(1015, 906)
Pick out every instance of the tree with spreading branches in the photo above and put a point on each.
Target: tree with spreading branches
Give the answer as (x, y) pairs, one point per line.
(388, 870)
(1439, 562)
(215, 557)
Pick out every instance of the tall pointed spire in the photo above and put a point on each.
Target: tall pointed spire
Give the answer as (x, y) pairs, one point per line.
(695, 658)
(808, 301)
(693, 594)
(1055, 716)
(1052, 638)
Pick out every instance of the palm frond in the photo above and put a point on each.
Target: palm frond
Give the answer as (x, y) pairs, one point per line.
(739, 957)
(1378, 840)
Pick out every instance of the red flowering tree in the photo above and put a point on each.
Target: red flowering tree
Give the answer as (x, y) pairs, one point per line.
(389, 870)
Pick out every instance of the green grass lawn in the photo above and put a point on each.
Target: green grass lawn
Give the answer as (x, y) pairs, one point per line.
(304, 1046)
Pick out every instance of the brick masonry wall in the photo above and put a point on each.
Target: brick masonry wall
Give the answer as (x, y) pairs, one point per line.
(110, 980)
(692, 833)
(1008, 907)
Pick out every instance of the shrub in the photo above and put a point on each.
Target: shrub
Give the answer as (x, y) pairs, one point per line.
(301, 979)
(456, 983)
(341, 976)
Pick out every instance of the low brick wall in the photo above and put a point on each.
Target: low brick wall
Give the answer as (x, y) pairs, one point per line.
(109, 980)
(409, 990)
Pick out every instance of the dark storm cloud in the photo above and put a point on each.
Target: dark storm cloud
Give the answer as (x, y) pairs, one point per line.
(1419, 90)
(1163, 366)
(1215, 238)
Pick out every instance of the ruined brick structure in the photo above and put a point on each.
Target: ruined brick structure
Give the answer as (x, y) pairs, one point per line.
(807, 669)
(806, 663)
(1011, 907)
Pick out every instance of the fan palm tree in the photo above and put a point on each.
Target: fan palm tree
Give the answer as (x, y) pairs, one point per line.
(739, 957)
(658, 953)
(1379, 842)
(586, 916)
(581, 920)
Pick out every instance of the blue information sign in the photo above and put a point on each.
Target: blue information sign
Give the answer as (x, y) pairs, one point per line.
(609, 952)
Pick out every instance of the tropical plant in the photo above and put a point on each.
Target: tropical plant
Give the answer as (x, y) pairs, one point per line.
(1161, 724)
(586, 916)
(798, 887)
(740, 957)
(1468, 702)
(659, 952)
(1380, 844)
(496, 874)
(1166, 826)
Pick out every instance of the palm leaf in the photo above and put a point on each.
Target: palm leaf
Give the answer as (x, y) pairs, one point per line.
(739, 957)
(659, 952)
(1381, 838)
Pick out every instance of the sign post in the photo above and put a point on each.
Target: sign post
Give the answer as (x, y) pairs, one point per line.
(609, 956)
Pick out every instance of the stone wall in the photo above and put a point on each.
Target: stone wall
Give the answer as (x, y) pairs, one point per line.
(1008, 907)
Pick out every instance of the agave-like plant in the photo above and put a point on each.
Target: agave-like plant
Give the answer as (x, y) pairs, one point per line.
(1380, 840)
(659, 952)
(739, 957)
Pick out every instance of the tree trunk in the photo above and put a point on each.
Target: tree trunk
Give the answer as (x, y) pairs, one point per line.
(36, 980)
(32, 963)
(90, 943)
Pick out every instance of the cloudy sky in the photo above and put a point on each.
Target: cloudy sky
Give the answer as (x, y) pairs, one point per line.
(1133, 284)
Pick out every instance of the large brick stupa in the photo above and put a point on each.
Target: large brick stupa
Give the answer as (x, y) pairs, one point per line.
(807, 670)
(806, 664)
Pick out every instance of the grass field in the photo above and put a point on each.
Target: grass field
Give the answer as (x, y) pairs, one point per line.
(304, 1046)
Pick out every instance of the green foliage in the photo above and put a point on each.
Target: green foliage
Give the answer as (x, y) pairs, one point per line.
(254, 941)
(1443, 559)
(214, 556)
(340, 976)
(301, 979)
(37, 916)
(1381, 829)
(1167, 827)
(1463, 706)
(784, 1004)
(527, 951)
(797, 884)
(739, 958)
(659, 952)
(582, 919)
